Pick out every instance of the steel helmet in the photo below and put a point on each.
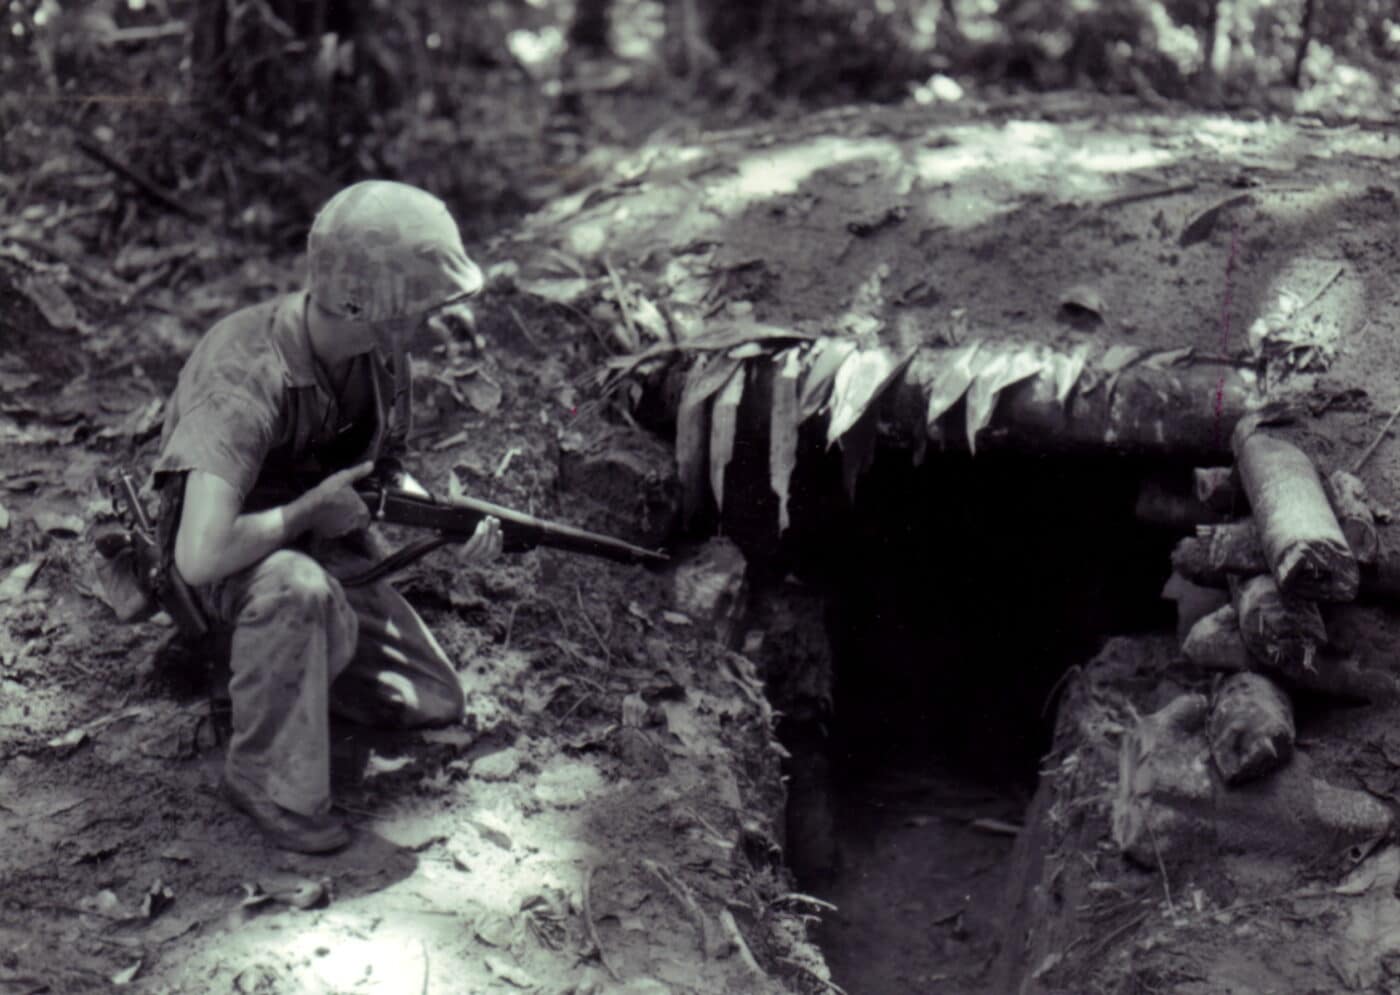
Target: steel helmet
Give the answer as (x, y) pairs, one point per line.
(380, 250)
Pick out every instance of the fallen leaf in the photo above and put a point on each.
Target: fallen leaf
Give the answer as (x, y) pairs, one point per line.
(456, 439)
(824, 359)
(648, 317)
(1117, 357)
(510, 973)
(51, 300)
(495, 930)
(68, 740)
(307, 895)
(254, 898)
(482, 392)
(560, 290)
(783, 423)
(1083, 304)
(12, 382)
(634, 711)
(1199, 228)
(1051, 961)
(493, 835)
(676, 618)
(106, 904)
(724, 423)
(17, 581)
(378, 765)
(58, 524)
(704, 378)
(156, 900)
(682, 723)
(139, 424)
(127, 974)
(449, 737)
(637, 611)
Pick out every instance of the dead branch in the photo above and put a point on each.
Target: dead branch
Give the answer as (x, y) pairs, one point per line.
(591, 926)
(1140, 195)
(602, 644)
(524, 329)
(681, 892)
(731, 930)
(146, 186)
(831, 985)
(1375, 443)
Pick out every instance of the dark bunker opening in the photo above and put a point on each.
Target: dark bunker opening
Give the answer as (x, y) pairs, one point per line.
(958, 594)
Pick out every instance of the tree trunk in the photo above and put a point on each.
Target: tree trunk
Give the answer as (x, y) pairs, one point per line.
(589, 29)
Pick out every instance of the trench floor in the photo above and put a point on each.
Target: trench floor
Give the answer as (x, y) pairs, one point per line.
(918, 884)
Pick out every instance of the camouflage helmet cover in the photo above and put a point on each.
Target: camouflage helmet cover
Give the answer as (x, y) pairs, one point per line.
(380, 249)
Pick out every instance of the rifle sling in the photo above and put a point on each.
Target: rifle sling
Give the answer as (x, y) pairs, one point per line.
(396, 561)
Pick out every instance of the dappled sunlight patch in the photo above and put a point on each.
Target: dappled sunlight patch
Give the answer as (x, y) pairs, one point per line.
(778, 172)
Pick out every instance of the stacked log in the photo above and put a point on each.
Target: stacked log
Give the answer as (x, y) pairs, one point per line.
(1302, 556)
(1300, 559)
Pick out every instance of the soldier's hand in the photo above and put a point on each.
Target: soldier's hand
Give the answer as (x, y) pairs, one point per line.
(332, 506)
(486, 542)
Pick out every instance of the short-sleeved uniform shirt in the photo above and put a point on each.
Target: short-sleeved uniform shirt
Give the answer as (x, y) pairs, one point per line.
(253, 405)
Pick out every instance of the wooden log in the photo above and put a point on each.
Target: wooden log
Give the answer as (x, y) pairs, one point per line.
(1352, 506)
(1187, 408)
(1357, 663)
(1307, 551)
(1218, 552)
(1250, 728)
(1281, 632)
(1191, 559)
(1195, 560)
(1215, 643)
(1234, 547)
(1218, 489)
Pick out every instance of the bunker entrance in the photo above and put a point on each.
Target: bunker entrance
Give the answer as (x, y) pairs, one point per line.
(958, 594)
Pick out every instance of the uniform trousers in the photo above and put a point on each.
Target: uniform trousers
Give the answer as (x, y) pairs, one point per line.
(302, 647)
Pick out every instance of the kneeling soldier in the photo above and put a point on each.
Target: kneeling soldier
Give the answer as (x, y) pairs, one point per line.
(312, 384)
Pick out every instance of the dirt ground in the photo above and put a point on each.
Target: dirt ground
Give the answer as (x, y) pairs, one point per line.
(609, 816)
(606, 810)
(1224, 237)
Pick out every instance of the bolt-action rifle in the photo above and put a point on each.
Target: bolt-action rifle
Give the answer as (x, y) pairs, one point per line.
(138, 552)
(453, 520)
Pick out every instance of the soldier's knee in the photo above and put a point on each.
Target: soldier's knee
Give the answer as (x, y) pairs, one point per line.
(298, 589)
